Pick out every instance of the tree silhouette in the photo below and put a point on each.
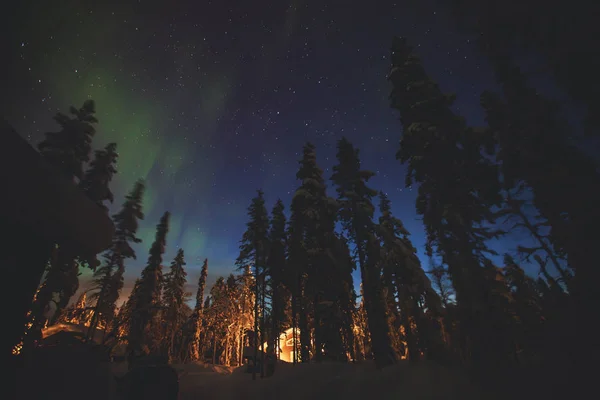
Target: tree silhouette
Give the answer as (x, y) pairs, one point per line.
(356, 214)
(254, 249)
(276, 265)
(458, 187)
(146, 302)
(69, 148)
(196, 319)
(174, 297)
(310, 266)
(98, 176)
(108, 278)
(557, 173)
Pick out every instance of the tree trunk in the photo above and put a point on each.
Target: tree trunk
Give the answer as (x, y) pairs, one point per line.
(262, 328)
(405, 316)
(240, 345)
(318, 330)
(255, 336)
(304, 333)
(375, 307)
(214, 352)
(294, 328)
(227, 349)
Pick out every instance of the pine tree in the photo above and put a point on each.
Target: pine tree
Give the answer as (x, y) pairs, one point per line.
(70, 148)
(457, 189)
(254, 249)
(108, 278)
(356, 214)
(98, 176)
(174, 300)
(148, 294)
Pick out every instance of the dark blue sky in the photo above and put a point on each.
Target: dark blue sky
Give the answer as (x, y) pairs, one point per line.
(211, 100)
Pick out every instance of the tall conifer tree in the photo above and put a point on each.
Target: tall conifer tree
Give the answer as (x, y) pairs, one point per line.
(457, 189)
(108, 278)
(98, 176)
(356, 214)
(196, 319)
(69, 148)
(174, 301)
(312, 226)
(147, 298)
(276, 269)
(254, 249)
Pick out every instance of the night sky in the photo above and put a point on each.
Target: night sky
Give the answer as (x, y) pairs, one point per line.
(210, 100)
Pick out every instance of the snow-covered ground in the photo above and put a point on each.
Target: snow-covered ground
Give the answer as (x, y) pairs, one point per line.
(328, 381)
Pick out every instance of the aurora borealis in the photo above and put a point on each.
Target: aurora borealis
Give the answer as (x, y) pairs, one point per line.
(210, 100)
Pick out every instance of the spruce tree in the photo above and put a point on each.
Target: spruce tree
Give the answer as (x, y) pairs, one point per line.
(201, 286)
(397, 253)
(529, 315)
(174, 300)
(311, 268)
(276, 270)
(108, 278)
(458, 187)
(61, 280)
(339, 291)
(295, 273)
(98, 176)
(196, 319)
(254, 248)
(69, 148)
(535, 148)
(356, 214)
(409, 284)
(68, 282)
(147, 298)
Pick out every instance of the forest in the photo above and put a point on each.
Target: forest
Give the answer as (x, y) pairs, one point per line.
(292, 296)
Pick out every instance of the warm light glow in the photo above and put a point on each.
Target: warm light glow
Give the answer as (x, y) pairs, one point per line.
(16, 350)
(285, 352)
